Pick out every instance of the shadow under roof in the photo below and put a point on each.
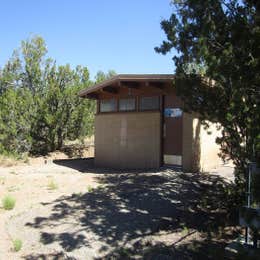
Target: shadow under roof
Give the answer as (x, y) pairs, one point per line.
(125, 78)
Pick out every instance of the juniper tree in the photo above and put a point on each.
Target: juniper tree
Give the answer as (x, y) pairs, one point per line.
(223, 38)
(39, 102)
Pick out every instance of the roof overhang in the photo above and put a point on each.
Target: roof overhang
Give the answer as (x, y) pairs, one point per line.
(126, 80)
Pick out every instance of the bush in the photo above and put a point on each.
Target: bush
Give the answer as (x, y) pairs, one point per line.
(17, 244)
(8, 202)
(90, 189)
(40, 107)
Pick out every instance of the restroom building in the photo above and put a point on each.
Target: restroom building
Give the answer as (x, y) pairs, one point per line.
(140, 123)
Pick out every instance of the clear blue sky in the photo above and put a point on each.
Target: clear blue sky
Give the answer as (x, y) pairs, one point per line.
(102, 34)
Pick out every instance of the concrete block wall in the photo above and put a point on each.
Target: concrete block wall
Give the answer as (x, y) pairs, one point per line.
(209, 158)
(128, 140)
(200, 152)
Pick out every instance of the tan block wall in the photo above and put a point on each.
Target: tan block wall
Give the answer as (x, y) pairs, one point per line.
(128, 140)
(209, 158)
(200, 152)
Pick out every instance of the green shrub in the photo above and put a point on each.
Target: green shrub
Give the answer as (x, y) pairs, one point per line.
(90, 189)
(8, 202)
(185, 231)
(17, 244)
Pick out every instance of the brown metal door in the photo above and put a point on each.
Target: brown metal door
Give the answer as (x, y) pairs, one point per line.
(172, 130)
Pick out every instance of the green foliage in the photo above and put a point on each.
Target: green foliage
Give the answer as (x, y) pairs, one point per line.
(8, 202)
(39, 102)
(101, 76)
(90, 189)
(185, 230)
(14, 128)
(17, 245)
(223, 39)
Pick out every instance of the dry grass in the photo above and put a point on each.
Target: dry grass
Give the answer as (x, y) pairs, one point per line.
(52, 185)
(85, 141)
(7, 161)
(12, 160)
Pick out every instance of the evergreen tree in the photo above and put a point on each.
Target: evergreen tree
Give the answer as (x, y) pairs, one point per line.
(223, 38)
(39, 102)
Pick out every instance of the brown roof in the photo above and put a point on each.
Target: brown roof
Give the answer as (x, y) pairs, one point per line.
(121, 78)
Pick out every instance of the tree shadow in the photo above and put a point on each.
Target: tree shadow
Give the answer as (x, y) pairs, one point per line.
(87, 165)
(131, 206)
(52, 256)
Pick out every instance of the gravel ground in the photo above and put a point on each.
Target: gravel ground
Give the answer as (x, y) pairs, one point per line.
(103, 213)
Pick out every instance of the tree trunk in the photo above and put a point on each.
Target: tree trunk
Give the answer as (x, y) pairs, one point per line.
(60, 138)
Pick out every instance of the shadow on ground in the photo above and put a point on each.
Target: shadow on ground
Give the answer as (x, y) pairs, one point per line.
(86, 165)
(126, 208)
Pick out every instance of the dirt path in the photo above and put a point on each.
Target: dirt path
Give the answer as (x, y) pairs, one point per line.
(71, 210)
(31, 186)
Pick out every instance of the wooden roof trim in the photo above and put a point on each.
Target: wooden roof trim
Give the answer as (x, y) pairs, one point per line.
(129, 84)
(110, 89)
(123, 78)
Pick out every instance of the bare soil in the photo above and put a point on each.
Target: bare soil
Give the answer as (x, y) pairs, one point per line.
(95, 213)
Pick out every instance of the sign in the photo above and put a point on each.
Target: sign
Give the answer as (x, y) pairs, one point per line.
(172, 112)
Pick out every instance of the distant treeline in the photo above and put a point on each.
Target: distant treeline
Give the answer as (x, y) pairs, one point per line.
(39, 102)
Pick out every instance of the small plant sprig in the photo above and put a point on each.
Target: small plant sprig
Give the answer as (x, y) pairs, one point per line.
(8, 202)
(90, 189)
(52, 185)
(17, 245)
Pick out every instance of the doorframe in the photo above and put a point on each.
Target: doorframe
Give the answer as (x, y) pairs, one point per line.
(162, 98)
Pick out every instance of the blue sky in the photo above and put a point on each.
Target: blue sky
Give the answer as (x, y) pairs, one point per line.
(102, 34)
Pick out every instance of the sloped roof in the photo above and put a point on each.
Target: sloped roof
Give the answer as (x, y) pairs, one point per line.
(122, 78)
